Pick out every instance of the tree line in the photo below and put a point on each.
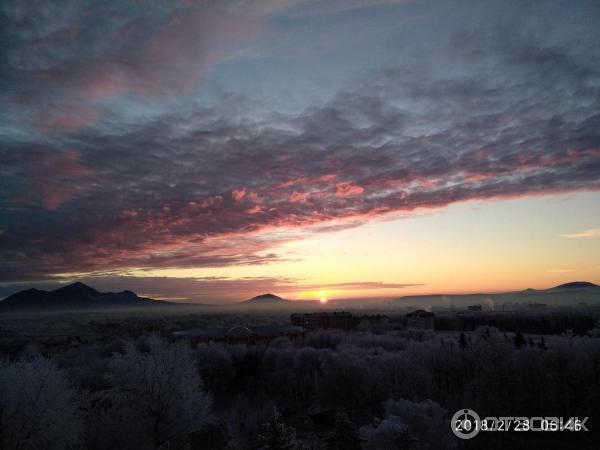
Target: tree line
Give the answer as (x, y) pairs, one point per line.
(340, 390)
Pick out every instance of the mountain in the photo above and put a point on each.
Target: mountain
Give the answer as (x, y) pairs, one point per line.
(568, 294)
(577, 285)
(73, 296)
(265, 299)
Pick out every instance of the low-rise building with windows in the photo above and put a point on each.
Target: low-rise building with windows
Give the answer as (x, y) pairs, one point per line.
(420, 319)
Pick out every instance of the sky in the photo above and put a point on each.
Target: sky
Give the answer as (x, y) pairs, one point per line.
(209, 151)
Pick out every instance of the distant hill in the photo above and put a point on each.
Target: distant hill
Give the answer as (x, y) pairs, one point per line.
(73, 296)
(576, 285)
(567, 294)
(265, 299)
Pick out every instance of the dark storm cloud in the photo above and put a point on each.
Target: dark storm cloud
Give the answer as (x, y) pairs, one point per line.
(511, 114)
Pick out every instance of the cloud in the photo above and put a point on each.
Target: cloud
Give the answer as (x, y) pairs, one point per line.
(347, 188)
(238, 195)
(66, 62)
(298, 197)
(560, 270)
(356, 286)
(591, 233)
(486, 109)
(52, 177)
(67, 118)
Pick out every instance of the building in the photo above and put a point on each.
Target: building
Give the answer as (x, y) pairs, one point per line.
(474, 307)
(371, 322)
(312, 321)
(420, 319)
(342, 320)
(240, 334)
(537, 306)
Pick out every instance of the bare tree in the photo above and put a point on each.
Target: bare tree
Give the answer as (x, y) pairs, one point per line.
(277, 435)
(37, 408)
(165, 394)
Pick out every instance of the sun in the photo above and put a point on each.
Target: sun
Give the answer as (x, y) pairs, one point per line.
(323, 297)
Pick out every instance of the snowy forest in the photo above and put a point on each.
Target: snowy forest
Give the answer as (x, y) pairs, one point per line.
(334, 390)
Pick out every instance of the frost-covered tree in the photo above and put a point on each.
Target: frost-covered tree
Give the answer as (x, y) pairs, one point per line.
(216, 367)
(108, 421)
(426, 421)
(595, 332)
(346, 379)
(346, 435)
(214, 436)
(37, 408)
(165, 395)
(324, 338)
(247, 414)
(281, 342)
(389, 434)
(277, 435)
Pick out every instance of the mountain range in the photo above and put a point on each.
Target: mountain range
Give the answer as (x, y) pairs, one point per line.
(567, 294)
(73, 297)
(79, 296)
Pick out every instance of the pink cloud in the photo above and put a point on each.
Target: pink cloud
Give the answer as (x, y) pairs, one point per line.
(298, 197)
(255, 209)
(57, 176)
(212, 201)
(141, 58)
(347, 188)
(129, 214)
(238, 195)
(67, 118)
(254, 197)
